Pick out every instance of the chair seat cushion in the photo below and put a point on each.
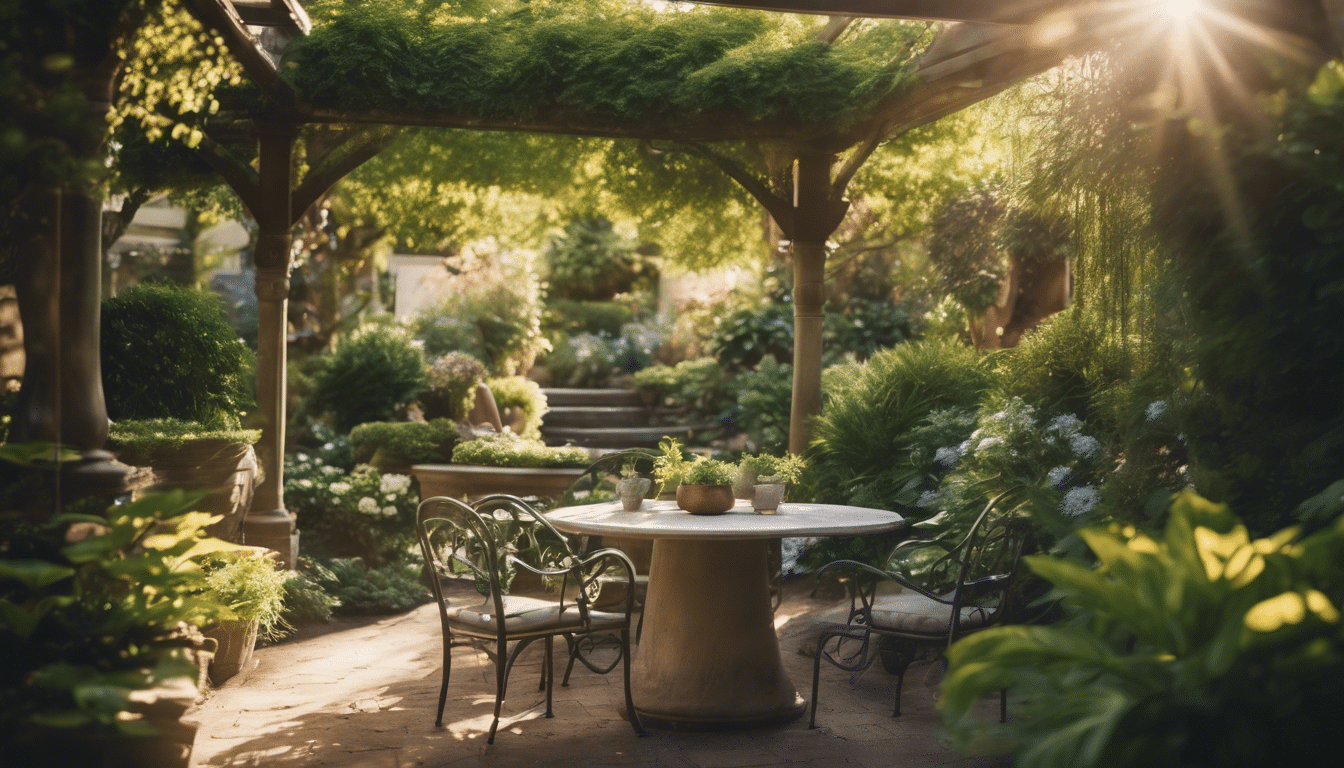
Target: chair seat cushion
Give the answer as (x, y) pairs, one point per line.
(915, 613)
(528, 614)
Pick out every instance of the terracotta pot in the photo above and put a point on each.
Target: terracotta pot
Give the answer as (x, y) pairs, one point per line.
(766, 498)
(632, 491)
(705, 499)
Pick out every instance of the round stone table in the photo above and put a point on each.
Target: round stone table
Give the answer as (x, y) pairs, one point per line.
(709, 657)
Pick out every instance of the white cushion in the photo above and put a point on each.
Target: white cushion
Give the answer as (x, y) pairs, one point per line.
(528, 614)
(913, 612)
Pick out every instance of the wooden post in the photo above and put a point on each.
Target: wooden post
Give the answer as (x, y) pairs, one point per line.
(815, 217)
(268, 524)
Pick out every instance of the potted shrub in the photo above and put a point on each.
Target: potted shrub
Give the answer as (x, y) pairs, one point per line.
(706, 487)
(253, 588)
(764, 478)
(631, 488)
(503, 463)
(395, 446)
(176, 378)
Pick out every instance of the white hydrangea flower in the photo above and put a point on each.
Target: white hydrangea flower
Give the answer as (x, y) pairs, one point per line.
(391, 497)
(964, 448)
(305, 483)
(302, 457)
(367, 505)
(1084, 445)
(1067, 424)
(989, 442)
(339, 487)
(1156, 409)
(389, 511)
(948, 456)
(1058, 475)
(331, 470)
(328, 446)
(1079, 501)
(395, 483)
(927, 499)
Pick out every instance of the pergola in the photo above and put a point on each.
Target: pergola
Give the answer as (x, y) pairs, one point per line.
(997, 44)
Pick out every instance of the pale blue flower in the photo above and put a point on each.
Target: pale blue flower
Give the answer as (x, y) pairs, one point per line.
(1084, 445)
(1058, 475)
(1079, 501)
(927, 499)
(989, 442)
(1156, 409)
(1068, 424)
(948, 456)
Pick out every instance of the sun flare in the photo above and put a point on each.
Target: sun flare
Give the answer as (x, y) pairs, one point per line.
(1179, 10)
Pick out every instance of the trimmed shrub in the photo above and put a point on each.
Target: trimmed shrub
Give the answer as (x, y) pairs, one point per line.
(604, 317)
(395, 445)
(372, 376)
(510, 451)
(168, 351)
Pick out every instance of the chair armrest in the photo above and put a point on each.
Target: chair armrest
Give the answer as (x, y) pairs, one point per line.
(878, 573)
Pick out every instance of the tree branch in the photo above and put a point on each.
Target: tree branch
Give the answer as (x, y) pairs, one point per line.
(240, 177)
(778, 207)
(337, 163)
(834, 28)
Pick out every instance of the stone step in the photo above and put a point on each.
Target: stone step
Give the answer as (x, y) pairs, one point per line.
(619, 437)
(597, 416)
(564, 397)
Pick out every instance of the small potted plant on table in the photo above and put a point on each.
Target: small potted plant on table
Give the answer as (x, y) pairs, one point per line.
(631, 488)
(766, 479)
(706, 487)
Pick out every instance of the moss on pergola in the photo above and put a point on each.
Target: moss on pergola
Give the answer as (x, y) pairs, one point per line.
(628, 66)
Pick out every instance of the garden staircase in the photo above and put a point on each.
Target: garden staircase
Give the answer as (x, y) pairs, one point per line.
(610, 419)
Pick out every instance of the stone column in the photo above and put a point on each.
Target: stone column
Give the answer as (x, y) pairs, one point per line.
(269, 524)
(59, 294)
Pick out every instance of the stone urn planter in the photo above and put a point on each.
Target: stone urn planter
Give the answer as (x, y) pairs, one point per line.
(464, 481)
(766, 497)
(705, 499)
(237, 640)
(631, 491)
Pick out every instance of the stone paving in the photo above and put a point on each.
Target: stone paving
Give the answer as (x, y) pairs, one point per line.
(361, 693)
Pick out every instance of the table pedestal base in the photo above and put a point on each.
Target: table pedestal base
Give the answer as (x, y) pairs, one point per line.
(709, 657)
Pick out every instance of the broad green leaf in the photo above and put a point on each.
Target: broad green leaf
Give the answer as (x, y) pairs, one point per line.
(34, 573)
(18, 619)
(62, 718)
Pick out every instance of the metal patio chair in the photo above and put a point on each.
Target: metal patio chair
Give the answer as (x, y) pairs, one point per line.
(968, 588)
(484, 543)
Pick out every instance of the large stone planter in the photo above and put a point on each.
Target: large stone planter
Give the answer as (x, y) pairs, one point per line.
(225, 469)
(466, 481)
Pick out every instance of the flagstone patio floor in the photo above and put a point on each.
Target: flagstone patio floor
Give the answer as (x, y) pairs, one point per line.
(361, 693)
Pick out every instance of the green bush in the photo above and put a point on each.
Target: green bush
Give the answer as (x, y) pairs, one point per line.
(360, 589)
(705, 471)
(1066, 364)
(861, 442)
(168, 351)
(698, 384)
(395, 445)
(590, 262)
(1201, 647)
(450, 386)
(373, 375)
(510, 451)
(864, 327)
(522, 396)
(744, 337)
(92, 613)
(764, 404)
(601, 317)
(582, 360)
(498, 322)
(306, 602)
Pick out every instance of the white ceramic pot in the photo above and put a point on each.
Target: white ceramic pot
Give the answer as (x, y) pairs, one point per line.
(766, 498)
(631, 491)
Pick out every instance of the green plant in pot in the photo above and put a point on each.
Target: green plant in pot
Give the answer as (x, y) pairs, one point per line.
(96, 613)
(632, 488)
(253, 588)
(706, 487)
(669, 466)
(769, 478)
(177, 379)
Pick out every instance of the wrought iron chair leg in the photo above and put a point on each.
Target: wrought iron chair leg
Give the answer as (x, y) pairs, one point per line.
(900, 680)
(447, 670)
(573, 646)
(816, 679)
(639, 628)
(502, 663)
(548, 673)
(629, 701)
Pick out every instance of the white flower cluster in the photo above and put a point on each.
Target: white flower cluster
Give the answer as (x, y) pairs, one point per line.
(368, 506)
(395, 484)
(948, 456)
(927, 499)
(1155, 410)
(1068, 424)
(339, 487)
(1058, 475)
(1084, 445)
